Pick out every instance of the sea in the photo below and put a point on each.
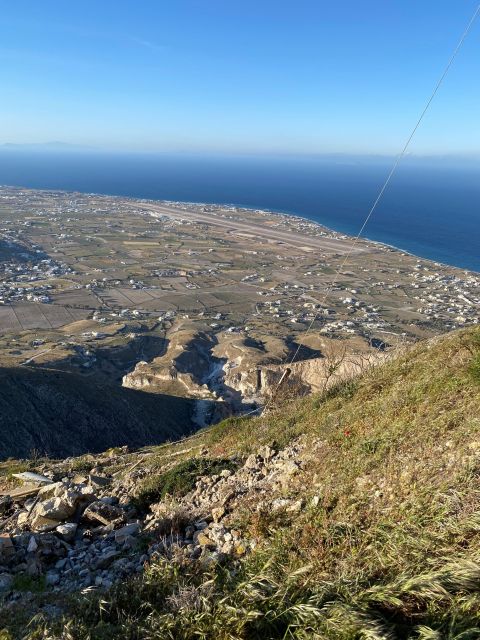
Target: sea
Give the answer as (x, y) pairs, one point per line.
(431, 208)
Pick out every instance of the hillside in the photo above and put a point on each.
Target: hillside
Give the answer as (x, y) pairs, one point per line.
(59, 414)
(352, 514)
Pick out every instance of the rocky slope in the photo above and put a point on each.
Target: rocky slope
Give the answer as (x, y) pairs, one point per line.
(84, 529)
(60, 413)
(352, 514)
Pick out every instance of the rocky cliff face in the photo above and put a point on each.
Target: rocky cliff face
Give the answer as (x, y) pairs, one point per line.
(184, 369)
(238, 375)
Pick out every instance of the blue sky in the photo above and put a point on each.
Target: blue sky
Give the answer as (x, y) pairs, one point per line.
(239, 76)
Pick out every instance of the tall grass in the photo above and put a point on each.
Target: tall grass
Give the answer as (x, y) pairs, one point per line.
(389, 550)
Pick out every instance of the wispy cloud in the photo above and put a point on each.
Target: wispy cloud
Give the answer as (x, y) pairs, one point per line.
(147, 44)
(114, 37)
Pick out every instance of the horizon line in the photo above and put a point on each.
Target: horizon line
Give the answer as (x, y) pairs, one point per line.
(74, 147)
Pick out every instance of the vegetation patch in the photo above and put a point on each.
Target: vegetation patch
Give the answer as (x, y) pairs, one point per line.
(33, 584)
(83, 464)
(474, 368)
(9, 467)
(179, 480)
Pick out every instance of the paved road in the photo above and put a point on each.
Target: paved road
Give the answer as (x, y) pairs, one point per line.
(291, 238)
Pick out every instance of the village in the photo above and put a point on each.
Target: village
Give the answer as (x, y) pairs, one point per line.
(84, 276)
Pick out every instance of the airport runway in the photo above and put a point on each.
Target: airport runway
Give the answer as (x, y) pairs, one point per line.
(292, 238)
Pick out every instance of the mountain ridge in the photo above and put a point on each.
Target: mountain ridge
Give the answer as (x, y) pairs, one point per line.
(61, 413)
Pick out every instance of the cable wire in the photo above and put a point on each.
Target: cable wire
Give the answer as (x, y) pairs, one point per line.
(379, 196)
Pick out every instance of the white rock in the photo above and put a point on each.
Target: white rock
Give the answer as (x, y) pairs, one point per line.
(32, 545)
(55, 509)
(67, 531)
(315, 501)
(51, 490)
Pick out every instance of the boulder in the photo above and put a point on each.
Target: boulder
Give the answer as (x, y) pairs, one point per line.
(55, 509)
(105, 513)
(22, 518)
(99, 481)
(106, 559)
(203, 540)
(87, 494)
(41, 523)
(266, 452)
(67, 531)
(251, 462)
(32, 545)
(50, 490)
(126, 532)
(79, 478)
(30, 503)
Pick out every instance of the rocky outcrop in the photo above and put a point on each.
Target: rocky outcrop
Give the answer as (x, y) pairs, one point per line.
(83, 531)
(241, 374)
(260, 382)
(183, 370)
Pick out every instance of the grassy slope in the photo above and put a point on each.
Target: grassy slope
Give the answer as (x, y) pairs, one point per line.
(391, 550)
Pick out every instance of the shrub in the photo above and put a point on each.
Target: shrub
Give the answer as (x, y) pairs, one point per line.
(179, 480)
(82, 464)
(24, 582)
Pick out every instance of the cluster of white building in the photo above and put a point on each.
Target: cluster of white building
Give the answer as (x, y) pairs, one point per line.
(24, 277)
(449, 298)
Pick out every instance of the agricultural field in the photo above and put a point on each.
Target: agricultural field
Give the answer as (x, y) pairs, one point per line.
(199, 298)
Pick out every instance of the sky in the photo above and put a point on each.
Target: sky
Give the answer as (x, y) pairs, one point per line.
(239, 76)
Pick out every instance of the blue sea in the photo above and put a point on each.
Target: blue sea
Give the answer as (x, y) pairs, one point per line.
(431, 207)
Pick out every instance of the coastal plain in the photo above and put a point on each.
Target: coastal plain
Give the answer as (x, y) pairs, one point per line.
(205, 302)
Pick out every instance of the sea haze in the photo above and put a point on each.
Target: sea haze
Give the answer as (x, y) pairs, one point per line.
(431, 207)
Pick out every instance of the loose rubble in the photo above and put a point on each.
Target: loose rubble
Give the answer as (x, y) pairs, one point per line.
(82, 532)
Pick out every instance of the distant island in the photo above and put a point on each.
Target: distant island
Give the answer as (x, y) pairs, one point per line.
(54, 145)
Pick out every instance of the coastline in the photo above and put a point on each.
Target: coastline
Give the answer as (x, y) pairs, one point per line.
(252, 209)
(303, 219)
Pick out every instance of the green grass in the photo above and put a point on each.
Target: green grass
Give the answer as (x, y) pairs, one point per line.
(82, 464)
(391, 551)
(178, 481)
(475, 369)
(10, 466)
(33, 584)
